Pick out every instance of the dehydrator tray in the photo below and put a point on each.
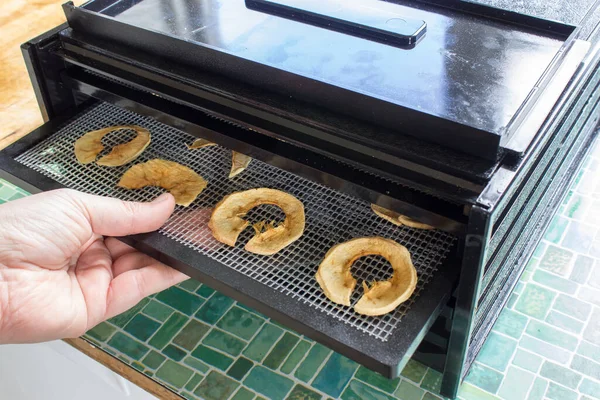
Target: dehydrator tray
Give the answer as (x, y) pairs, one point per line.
(283, 285)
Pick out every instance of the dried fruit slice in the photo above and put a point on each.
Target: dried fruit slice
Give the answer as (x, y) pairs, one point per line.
(199, 144)
(226, 221)
(182, 182)
(398, 219)
(382, 297)
(239, 162)
(90, 145)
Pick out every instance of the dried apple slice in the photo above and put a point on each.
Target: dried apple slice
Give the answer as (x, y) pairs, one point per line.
(239, 162)
(90, 145)
(226, 221)
(398, 219)
(200, 144)
(182, 182)
(382, 297)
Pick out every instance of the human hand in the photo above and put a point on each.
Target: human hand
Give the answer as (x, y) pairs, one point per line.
(59, 275)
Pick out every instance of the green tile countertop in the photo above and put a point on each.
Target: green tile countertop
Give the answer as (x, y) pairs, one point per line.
(545, 344)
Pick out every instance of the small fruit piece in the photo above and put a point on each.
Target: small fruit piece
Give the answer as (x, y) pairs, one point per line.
(90, 145)
(398, 219)
(382, 297)
(226, 221)
(182, 182)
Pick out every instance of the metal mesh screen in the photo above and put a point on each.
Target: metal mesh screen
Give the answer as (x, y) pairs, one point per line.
(331, 217)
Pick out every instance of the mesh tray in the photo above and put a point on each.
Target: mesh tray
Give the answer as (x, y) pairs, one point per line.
(331, 217)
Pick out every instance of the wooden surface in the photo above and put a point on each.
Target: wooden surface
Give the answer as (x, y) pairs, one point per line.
(21, 20)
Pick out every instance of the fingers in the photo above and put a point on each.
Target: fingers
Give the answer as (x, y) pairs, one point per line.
(113, 217)
(139, 281)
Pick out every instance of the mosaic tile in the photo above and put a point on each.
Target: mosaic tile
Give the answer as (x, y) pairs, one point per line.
(516, 384)
(577, 207)
(556, 229)
(243, 394)
(557, 392)
(174, 374)
(484, 377)
(180, 300)
(212, 357)
(572, 307)
(564, 322)
(594, 278)
(579, 237)
(122, 319)
(432, 380)
(216, 386)
(300, 392)
(196, 364)
(205, 291)
(539, 250)
(510, 323)
(589, 350)
(586, 366)
(414, 370)
(214, 308)
(377, 380)
(471, 392)
(357, 390)
(102, 331)
(590, 388)
(497, 351)
(589, 294)
(555, 282)
(191, 334)
(535, 301)
(268, 383)
(192, 383)
(313, 360)
(544, 349)
(527, 360)
(557, 260)
(551, 335)
(241, 323)
(174, 352)
(190, 285)
(153, 359)
(224, 341)
(262, 342)
(512, 300)
(560, 374)
(409, 391)
(167, 330)
(239, 369)
(538, 390)
(295, 356)
(335, 374)
(128, 346)
(157, 310)
(431, 396)
(138, 366)
(581, 269)
(141, 327)
(280, 350)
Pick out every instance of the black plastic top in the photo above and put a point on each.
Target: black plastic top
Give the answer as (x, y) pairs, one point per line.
(461, 85)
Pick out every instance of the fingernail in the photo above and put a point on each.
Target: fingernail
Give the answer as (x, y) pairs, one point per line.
(163, 197)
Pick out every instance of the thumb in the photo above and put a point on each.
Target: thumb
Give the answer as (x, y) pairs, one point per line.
(113, 217)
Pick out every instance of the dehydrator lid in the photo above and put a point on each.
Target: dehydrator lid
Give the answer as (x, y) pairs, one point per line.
(454, 73)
